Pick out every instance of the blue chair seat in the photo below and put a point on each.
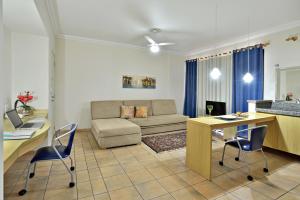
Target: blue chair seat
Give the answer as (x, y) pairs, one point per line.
(48, 153)
(245, 144)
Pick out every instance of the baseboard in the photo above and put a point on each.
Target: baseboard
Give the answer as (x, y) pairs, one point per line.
(83, 130)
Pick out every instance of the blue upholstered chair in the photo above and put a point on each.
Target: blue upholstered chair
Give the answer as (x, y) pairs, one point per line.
(54, 152)
(254, 143)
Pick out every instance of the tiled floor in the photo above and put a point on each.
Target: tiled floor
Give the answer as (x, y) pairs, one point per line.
(136, 172)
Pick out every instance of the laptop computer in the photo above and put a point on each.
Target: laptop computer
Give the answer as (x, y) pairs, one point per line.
(17, 122)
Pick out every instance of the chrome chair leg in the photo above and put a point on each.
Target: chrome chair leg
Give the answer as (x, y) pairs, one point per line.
(72, 166)
(249, 177)
(71, 184)
(33, 173)
(238, 157)
(22, 192)
(266, 168)
(221, 162)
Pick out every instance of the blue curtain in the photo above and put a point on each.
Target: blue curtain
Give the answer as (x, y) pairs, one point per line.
(190, 88)
(247, 91)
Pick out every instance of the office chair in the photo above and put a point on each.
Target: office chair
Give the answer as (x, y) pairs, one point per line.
(54, 152)
(255, 143)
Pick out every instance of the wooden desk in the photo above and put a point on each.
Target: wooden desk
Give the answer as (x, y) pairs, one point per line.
(12, 149)
(199, 138)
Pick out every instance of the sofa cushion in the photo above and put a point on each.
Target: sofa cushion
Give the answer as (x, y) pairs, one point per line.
(163, 107)
(159, 120)
(140, 103)
(141, 112)
(106, 109)
(127, 112)
(114, 127)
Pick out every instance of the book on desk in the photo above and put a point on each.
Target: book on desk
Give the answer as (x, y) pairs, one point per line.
(18, 134)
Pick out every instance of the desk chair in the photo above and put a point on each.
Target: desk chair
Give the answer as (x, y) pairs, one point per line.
(54, 152)
(255, 143)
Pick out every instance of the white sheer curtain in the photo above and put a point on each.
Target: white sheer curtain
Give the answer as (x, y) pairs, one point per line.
(214, 90)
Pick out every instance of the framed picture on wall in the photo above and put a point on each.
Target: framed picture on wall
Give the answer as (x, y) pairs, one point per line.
(139, 82)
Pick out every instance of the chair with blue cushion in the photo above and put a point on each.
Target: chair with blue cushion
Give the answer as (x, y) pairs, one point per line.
(54, 152)
(254, 143)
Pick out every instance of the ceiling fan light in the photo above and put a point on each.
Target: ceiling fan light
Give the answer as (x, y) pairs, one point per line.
(248, 78)
(154, 48)
(215, 73)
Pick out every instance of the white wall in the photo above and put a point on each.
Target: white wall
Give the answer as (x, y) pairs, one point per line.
(7, 69)
(286, 54)
(87, 71)
(2, 91)
(177, 80)
(30, 67)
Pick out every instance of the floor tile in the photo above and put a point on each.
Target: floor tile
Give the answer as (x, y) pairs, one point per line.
(117, 182)
(61, 194)
(164, 197)
(111, 170)
(208, 189)
(132, 167)
(187, 194)
(87, 198)
(82, 176)
(84, 189)
(159, 172)
(247, 193)
(280, 181)
(151, 190)
(98, 186)
(271, 191)
(34, 184)
(58, 181)
(136, 172)
(140, 176)
(226, 183)
(94, 173)
(227, 197)
(172, 183)
(191, 177)
(128, 193)
(290, 196)
(104, 196)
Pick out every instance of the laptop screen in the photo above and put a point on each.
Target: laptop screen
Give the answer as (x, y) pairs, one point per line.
(14, 118)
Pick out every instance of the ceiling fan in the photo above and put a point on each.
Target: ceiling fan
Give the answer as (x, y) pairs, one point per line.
(154, 46)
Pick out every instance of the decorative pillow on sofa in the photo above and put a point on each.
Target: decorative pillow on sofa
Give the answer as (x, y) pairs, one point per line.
(141, 111)
(127, 112)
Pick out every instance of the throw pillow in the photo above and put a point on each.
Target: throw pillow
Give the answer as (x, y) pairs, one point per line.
(127, 112)
(141, 111)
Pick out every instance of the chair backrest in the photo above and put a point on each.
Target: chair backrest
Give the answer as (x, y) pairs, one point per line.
(257, 137)
(73, 128)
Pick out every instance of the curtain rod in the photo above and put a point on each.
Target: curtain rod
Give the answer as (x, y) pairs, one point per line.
(230, 52)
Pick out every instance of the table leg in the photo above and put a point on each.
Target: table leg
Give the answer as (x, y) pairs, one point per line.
(199, 149)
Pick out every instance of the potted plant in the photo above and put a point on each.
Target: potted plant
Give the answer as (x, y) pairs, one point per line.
(24, 99)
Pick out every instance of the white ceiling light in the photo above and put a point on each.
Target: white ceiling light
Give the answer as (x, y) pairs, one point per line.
(215, 73)
(154, 48)
(248, 78)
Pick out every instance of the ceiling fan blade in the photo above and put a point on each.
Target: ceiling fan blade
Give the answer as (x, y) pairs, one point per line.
(166, 43)
(150, 40)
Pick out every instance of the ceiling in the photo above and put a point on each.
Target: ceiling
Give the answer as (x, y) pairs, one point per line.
(22, 16)
(190, 23)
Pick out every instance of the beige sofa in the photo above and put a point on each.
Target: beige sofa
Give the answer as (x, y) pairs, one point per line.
(110, 130)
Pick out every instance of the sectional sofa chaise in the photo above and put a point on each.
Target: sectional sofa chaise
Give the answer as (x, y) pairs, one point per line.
(110, 130)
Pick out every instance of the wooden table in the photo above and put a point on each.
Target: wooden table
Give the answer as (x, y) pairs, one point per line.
(199, 138)
(12, 149)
